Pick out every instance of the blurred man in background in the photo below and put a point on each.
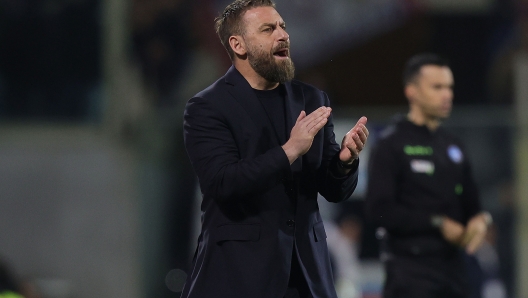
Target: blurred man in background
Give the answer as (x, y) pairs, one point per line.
(422, 193)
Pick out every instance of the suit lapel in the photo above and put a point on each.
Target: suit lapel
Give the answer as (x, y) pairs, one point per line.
(294, 106)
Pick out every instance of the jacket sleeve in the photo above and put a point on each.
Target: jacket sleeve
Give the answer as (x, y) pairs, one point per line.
(382, 207)
(333, 186)
(214, 154)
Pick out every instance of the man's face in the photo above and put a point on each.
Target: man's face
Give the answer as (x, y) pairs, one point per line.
(432, 91)
(268, 44)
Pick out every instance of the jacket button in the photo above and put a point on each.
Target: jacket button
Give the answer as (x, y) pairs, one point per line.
(290, 222)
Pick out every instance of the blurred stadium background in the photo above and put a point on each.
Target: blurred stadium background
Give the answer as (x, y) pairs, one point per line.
(97, 197)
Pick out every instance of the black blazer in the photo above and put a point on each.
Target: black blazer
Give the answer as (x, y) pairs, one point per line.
(255, 205)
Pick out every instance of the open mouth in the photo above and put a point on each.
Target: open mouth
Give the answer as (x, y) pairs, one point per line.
(282, 53)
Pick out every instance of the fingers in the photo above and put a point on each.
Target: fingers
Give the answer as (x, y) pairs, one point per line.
(475, 242)
(362, 120)
(452, 231)
(467, 237)
(356, 139)
(359, 142)
(316, 120)
(354, 146)
(361, 129)
(474, 235)
(320, 112)
(303, 132)
(302, 115)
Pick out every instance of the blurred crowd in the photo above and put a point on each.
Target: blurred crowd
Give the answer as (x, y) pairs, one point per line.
(49, 60)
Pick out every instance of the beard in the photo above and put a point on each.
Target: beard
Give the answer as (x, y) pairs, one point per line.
(267, 67)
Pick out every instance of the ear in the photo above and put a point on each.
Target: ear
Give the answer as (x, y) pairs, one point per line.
(410, 92)
(237, 44)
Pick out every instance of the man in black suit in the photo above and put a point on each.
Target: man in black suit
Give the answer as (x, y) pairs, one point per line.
(263, 146)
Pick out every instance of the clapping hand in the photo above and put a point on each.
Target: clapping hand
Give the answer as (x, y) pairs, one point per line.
(354, 141)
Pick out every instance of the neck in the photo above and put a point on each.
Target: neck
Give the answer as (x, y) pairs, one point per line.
(255, 80)
(420, 119)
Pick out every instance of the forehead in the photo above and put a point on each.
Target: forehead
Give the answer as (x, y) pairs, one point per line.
(257, 16)
(435, 72)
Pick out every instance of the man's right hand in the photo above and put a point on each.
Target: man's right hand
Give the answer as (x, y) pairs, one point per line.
(452, 230)
(304, 131)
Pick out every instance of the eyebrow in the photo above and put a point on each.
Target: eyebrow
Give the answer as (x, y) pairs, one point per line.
(282, 24)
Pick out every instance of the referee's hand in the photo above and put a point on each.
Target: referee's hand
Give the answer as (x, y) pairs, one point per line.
(452, 231)
(475, 233)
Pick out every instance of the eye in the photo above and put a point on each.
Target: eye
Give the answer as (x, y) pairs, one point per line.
(268, 29)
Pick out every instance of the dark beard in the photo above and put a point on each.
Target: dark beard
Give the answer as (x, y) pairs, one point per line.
(265, 65)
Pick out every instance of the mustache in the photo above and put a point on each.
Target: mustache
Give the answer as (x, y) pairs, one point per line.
(281, 45)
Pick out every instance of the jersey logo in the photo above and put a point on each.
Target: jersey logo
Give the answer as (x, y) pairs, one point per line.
(455, 153)
(422, 166)
(418, 150)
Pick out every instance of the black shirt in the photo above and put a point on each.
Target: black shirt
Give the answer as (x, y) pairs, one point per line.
(273, 101)
(415, 173)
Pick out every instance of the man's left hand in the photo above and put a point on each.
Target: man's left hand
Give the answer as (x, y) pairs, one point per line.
(354, 141)
(475, 233)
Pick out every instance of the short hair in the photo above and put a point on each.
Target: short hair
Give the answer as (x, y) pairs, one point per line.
(229, 23)
(415, 63)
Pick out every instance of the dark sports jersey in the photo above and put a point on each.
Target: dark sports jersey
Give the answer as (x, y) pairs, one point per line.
(415, 173)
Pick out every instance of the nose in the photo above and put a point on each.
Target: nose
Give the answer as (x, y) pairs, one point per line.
(448, 95)
(283, 35)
